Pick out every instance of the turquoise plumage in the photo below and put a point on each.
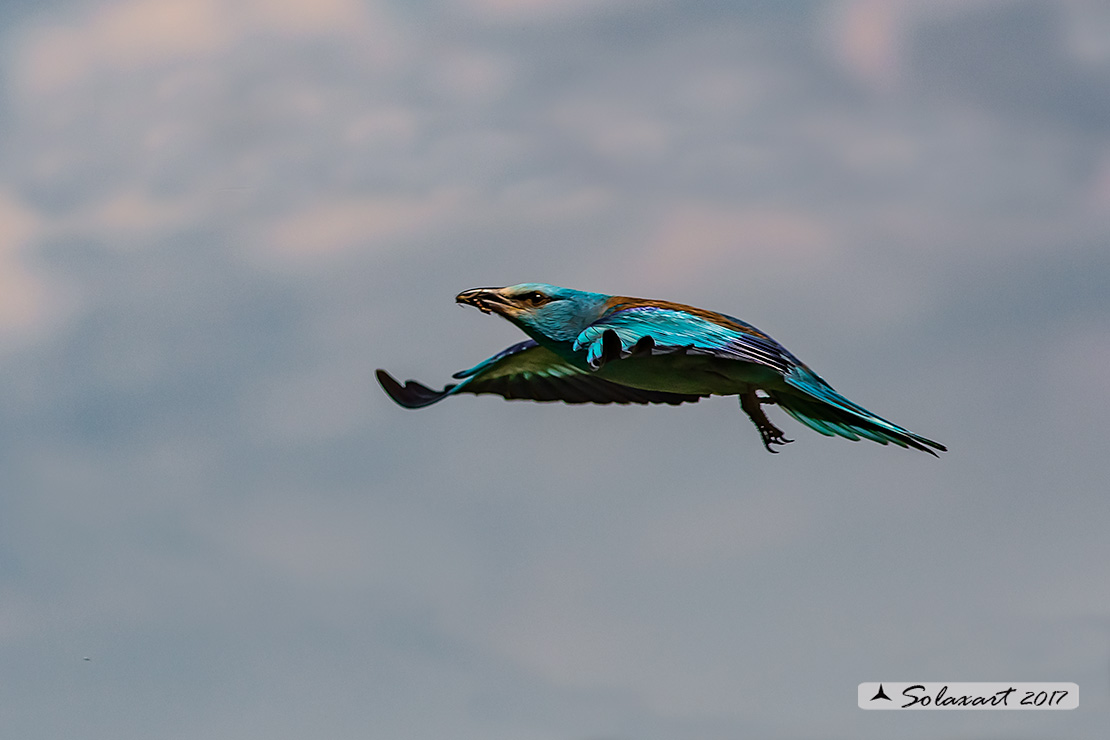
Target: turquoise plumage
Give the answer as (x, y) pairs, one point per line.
(595, 348)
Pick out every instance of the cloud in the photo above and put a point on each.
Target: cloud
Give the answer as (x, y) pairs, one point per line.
(131, 34)
(365, 221)
(26, 298)
(471, 75)
(868, 39)
(203, 481)
(615, 133)
(1013, 59)
(509, 11)
(121, 35)
(694, 239)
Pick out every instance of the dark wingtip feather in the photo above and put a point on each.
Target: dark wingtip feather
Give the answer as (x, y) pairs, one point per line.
(412, 395)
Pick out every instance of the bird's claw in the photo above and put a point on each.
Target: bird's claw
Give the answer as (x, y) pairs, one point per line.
(769, 434)
(773, 436)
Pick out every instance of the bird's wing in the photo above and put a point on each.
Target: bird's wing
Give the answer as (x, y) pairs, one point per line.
(528, 371)
(641, 327)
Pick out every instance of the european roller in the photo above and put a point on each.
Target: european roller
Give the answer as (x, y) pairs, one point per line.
(596, 348)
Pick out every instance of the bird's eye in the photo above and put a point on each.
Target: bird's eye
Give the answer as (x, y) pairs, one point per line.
(535, 297)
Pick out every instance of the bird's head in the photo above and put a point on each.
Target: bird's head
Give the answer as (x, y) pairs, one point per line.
(557, 314)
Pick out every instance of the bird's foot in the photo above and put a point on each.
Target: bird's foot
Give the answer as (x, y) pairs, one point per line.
(768, 432)
(772, 435)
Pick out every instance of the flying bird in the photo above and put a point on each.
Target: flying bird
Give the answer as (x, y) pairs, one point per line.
(596, 348)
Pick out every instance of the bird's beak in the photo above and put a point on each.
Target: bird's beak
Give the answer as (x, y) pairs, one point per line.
(483, 299)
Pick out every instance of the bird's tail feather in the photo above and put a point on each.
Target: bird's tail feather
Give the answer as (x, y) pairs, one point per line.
(824, 410)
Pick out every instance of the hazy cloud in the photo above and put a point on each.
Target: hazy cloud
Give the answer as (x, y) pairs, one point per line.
(217, 217)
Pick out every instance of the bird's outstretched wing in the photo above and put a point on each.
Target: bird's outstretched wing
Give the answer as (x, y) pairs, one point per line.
(528, 371)
(659, 327)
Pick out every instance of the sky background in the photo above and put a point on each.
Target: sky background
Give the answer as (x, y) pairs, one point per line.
(217, 217)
